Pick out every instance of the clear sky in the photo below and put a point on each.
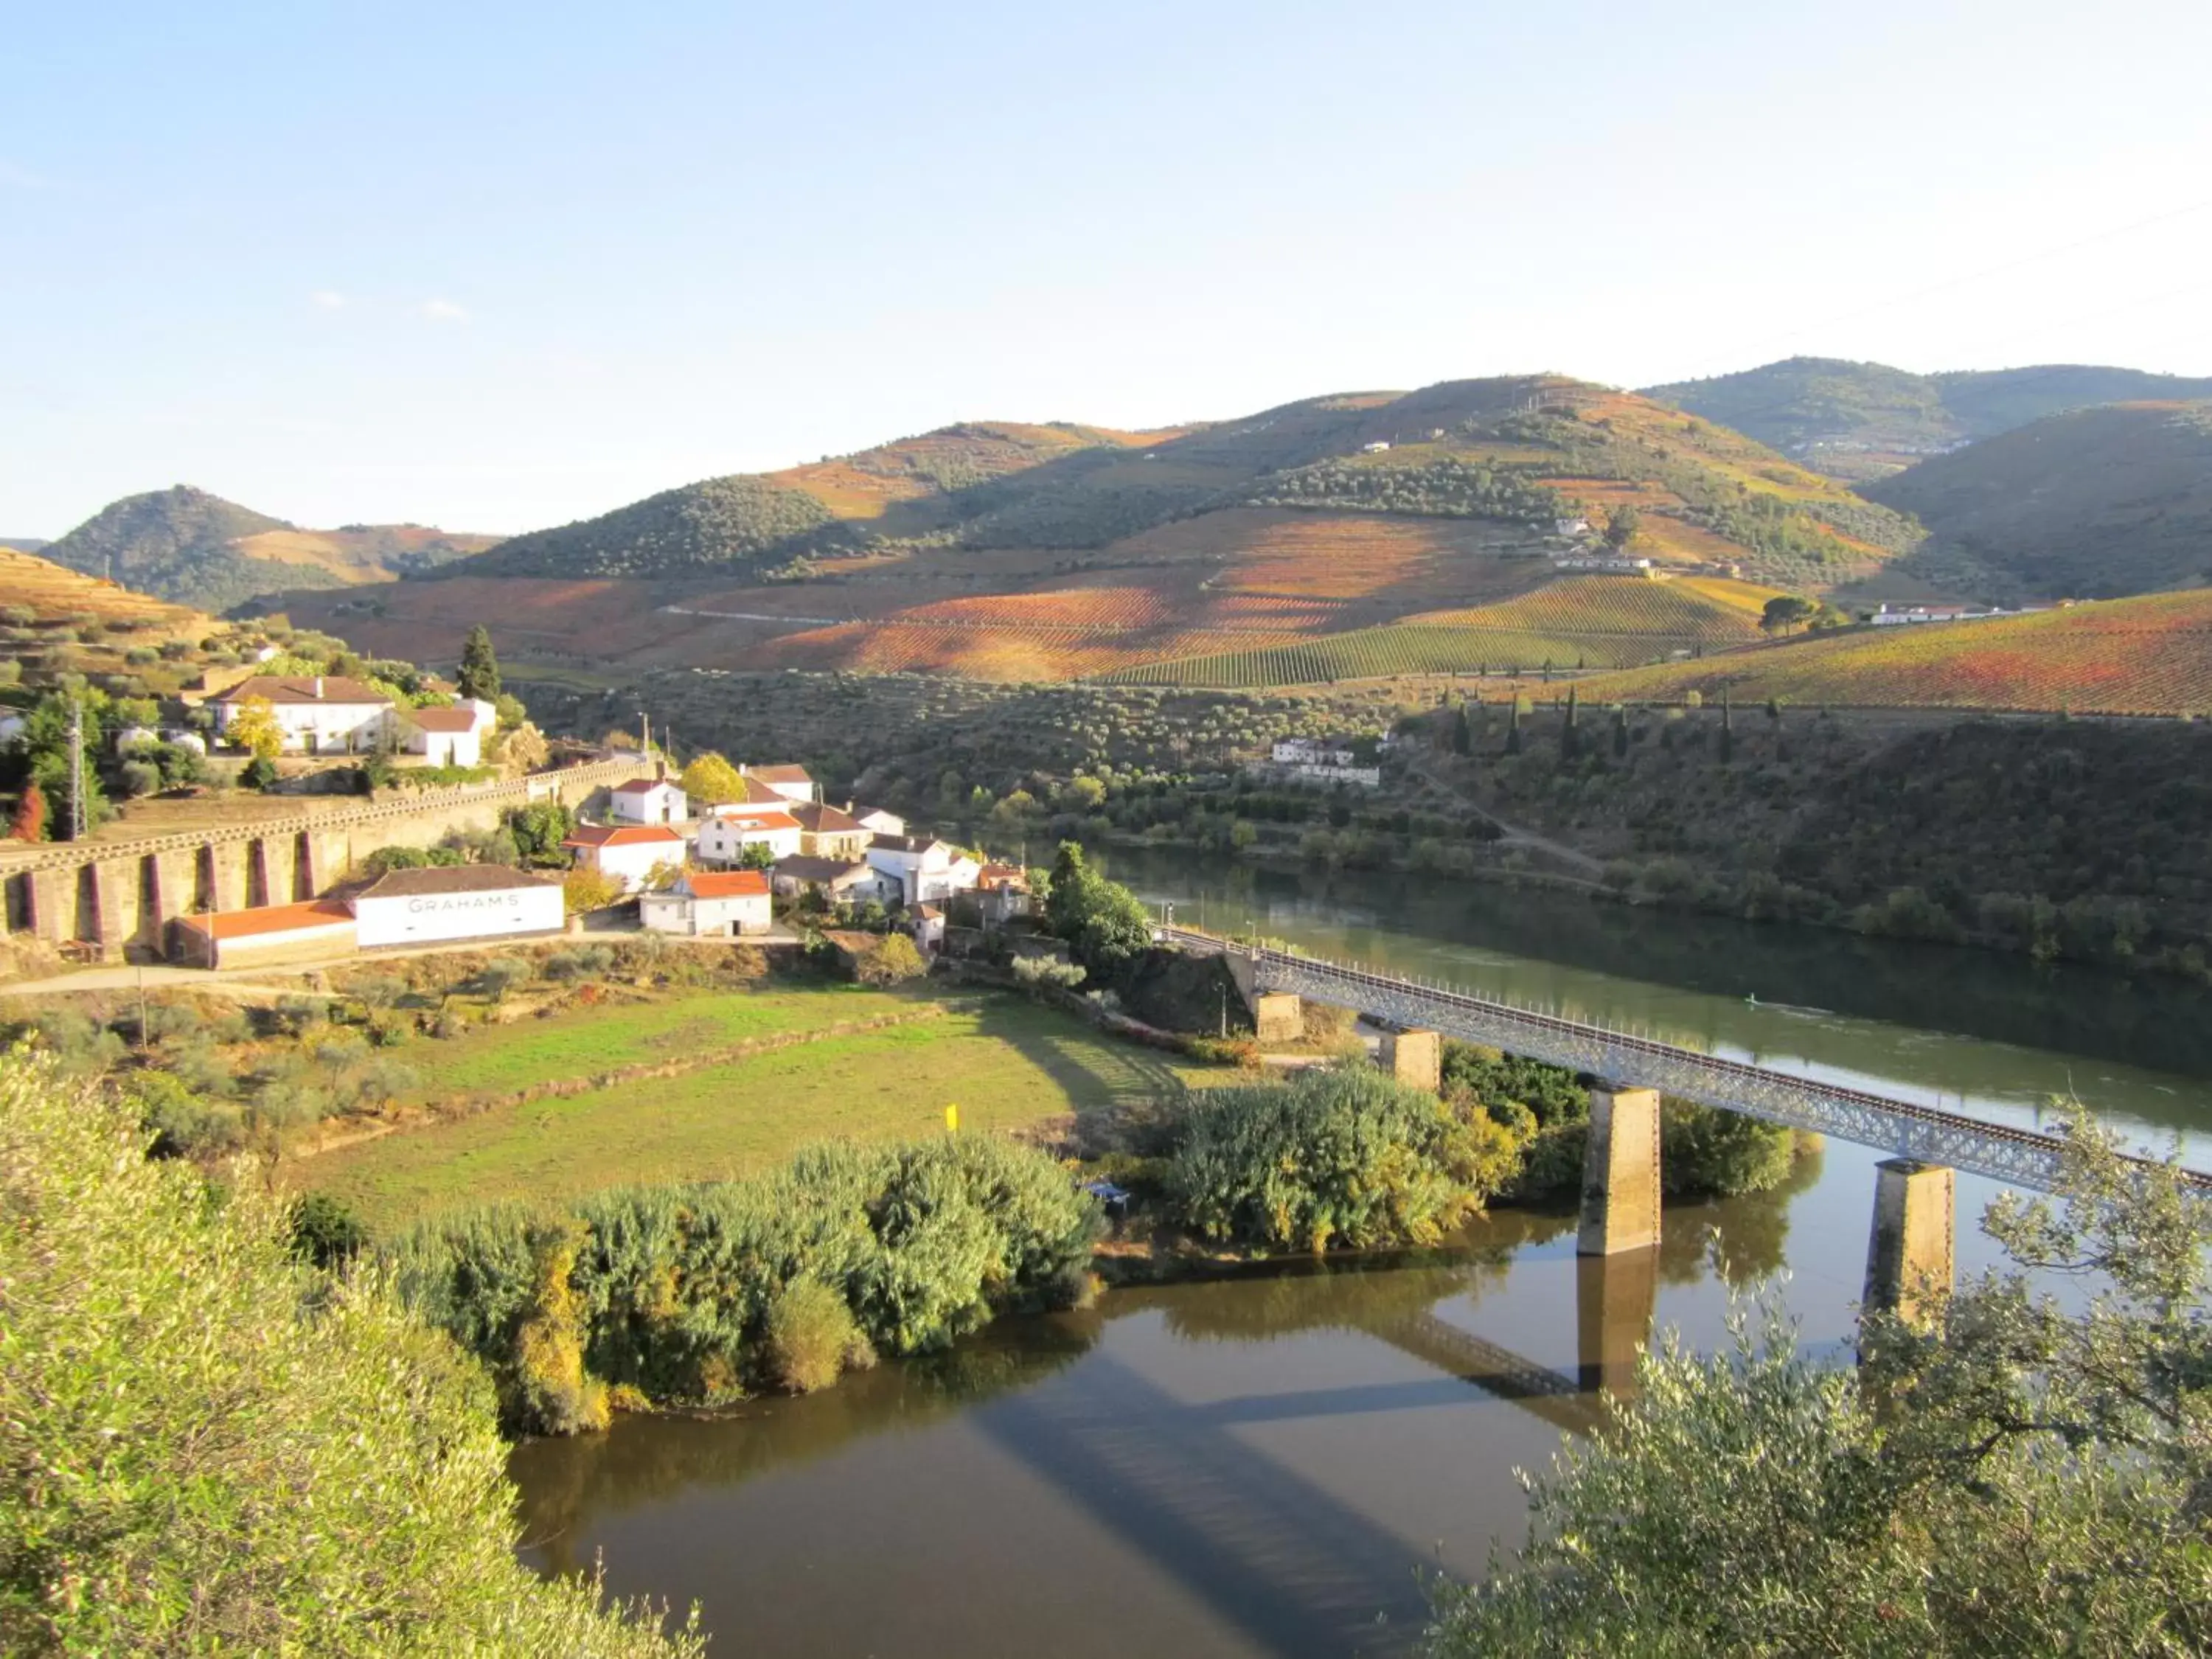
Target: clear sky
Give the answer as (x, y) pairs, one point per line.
(493, 266)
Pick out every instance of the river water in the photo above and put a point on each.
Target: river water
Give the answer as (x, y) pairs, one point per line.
(1273, 1463)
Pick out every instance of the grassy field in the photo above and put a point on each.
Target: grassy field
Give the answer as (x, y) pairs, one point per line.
(2144, 656)
(1006, 1063)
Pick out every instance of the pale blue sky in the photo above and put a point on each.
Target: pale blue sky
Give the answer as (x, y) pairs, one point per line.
(493, 266)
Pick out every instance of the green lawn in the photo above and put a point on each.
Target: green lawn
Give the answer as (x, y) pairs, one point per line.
(1006, 1063)
(499, 1060)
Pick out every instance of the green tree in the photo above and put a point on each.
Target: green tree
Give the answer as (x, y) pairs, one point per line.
(2027, 1476)
(538, 830)
(1786, 611)
(210, 1445)
(1621, 526)
(479, 672)
(1104, 923)
(711, 781)
(1462, 732)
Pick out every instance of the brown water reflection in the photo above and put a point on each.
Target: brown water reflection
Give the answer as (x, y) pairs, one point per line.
(1261, 1463)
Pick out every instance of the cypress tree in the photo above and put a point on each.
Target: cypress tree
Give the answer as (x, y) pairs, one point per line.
(1728, 730)
(1570, 734)
(1462, 736)
(479, 674)
(1513, 729)
(1620, 731)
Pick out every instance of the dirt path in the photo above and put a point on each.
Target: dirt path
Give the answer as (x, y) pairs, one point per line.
(1417, 762)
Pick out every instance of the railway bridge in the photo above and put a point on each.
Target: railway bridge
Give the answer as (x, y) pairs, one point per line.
(1909, 1243)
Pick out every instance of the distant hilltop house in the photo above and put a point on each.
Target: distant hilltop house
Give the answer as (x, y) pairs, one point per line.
(1902, 616)
(1376, 448)
(625, 853)
(1606, 561)
(317, 715)
(1319, 760)
(711, 904)
(1570, 526)
(433, 905)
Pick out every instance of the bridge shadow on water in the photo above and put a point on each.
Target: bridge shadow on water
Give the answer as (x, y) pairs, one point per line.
(1289, 1564)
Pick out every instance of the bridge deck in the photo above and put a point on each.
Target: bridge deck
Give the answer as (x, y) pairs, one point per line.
(2020, 1157)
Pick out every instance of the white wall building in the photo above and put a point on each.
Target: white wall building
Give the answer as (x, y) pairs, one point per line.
(439, 904)
(875, 820)
(926, 869)
(1310, 752)
(317, 714)
(724, 837)
(627, 852)
(794, 783)
(648, 800)
(711, 904)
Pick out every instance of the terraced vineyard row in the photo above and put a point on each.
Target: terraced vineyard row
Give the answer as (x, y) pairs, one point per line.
(1712, 611)
(2143, 656)
(1370, 653)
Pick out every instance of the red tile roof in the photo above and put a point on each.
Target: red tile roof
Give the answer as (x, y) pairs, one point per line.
(619, 835)
(820, 818)
(451, 879)
(758, 820)
(305, 688)
(641, 785)
(444, 719)
(780, 774)
(270, 919)
(733, 883)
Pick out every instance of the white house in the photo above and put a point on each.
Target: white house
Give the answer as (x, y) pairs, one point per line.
(875, 820)
(1889, 617)
(1310, 752)
(720, 904)
(648, 800)
(838, 880)
(792, 783)
(448, 735)
(926, 869)
(459, 902)
(725, 837)
(317, 714)
(1376, 448)
(926, 924)
(627, 852)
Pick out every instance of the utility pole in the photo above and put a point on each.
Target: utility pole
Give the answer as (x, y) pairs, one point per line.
(77, 770)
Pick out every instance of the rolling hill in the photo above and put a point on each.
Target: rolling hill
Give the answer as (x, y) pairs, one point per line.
(2147, 655)
(24, 543)
(1866, 421)
(1025, 552)
(2099, 503)
(187, 545)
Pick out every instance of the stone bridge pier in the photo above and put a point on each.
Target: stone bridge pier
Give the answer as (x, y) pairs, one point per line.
(1909, 1247)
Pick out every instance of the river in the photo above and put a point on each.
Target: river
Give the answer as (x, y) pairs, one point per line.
(1271, 1462)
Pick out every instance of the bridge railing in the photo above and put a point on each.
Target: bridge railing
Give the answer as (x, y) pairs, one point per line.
(2003, 1151)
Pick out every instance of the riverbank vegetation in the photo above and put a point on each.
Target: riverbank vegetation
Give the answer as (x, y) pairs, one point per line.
(2023, 1476)
(697, 1293)
(208, 1446)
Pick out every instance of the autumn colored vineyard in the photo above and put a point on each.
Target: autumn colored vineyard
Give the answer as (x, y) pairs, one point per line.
(2151, 655)
(1370, 653)
(1711, 611)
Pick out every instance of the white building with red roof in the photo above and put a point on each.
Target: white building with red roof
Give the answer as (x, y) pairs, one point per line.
(794, 783)
(727, 836)
(627, 852)
(648, 800)
(316, 713)
(711, 904)
(451, 734)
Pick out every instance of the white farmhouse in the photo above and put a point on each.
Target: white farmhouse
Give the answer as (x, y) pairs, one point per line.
(317, 714)
(794, 783)
(648, 800)
(838, 880)
(875, 820)
(451, 734)
(439, 904)
(718, 904)
(1309, 751)
(627, 852)
(725, 837)
(926, 869)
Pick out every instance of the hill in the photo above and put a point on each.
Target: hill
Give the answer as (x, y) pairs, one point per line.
(997, 551)
(2095, 504)
(53, 593)
(187, 545)
(1864, 421)
(2150, 655)
(24, 543)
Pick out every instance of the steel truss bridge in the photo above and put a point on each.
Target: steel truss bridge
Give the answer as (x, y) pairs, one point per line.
(2019, 1158)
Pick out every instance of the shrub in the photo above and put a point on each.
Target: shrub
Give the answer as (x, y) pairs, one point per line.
(324, 1231)
(812, 1337)
(892, 962)
(587, 890)
(209, 1446)
(1339, 1157)
(669, 1290)
(258, 773)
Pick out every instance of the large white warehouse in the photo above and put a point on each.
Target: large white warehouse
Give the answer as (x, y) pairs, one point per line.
(444, 903)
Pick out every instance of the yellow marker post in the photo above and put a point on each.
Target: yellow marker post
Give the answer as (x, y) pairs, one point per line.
(952, 1120)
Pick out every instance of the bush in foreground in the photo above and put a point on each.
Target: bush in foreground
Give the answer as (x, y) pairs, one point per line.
(207, 1446)
(1349, 1158)
(2030, 1478)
